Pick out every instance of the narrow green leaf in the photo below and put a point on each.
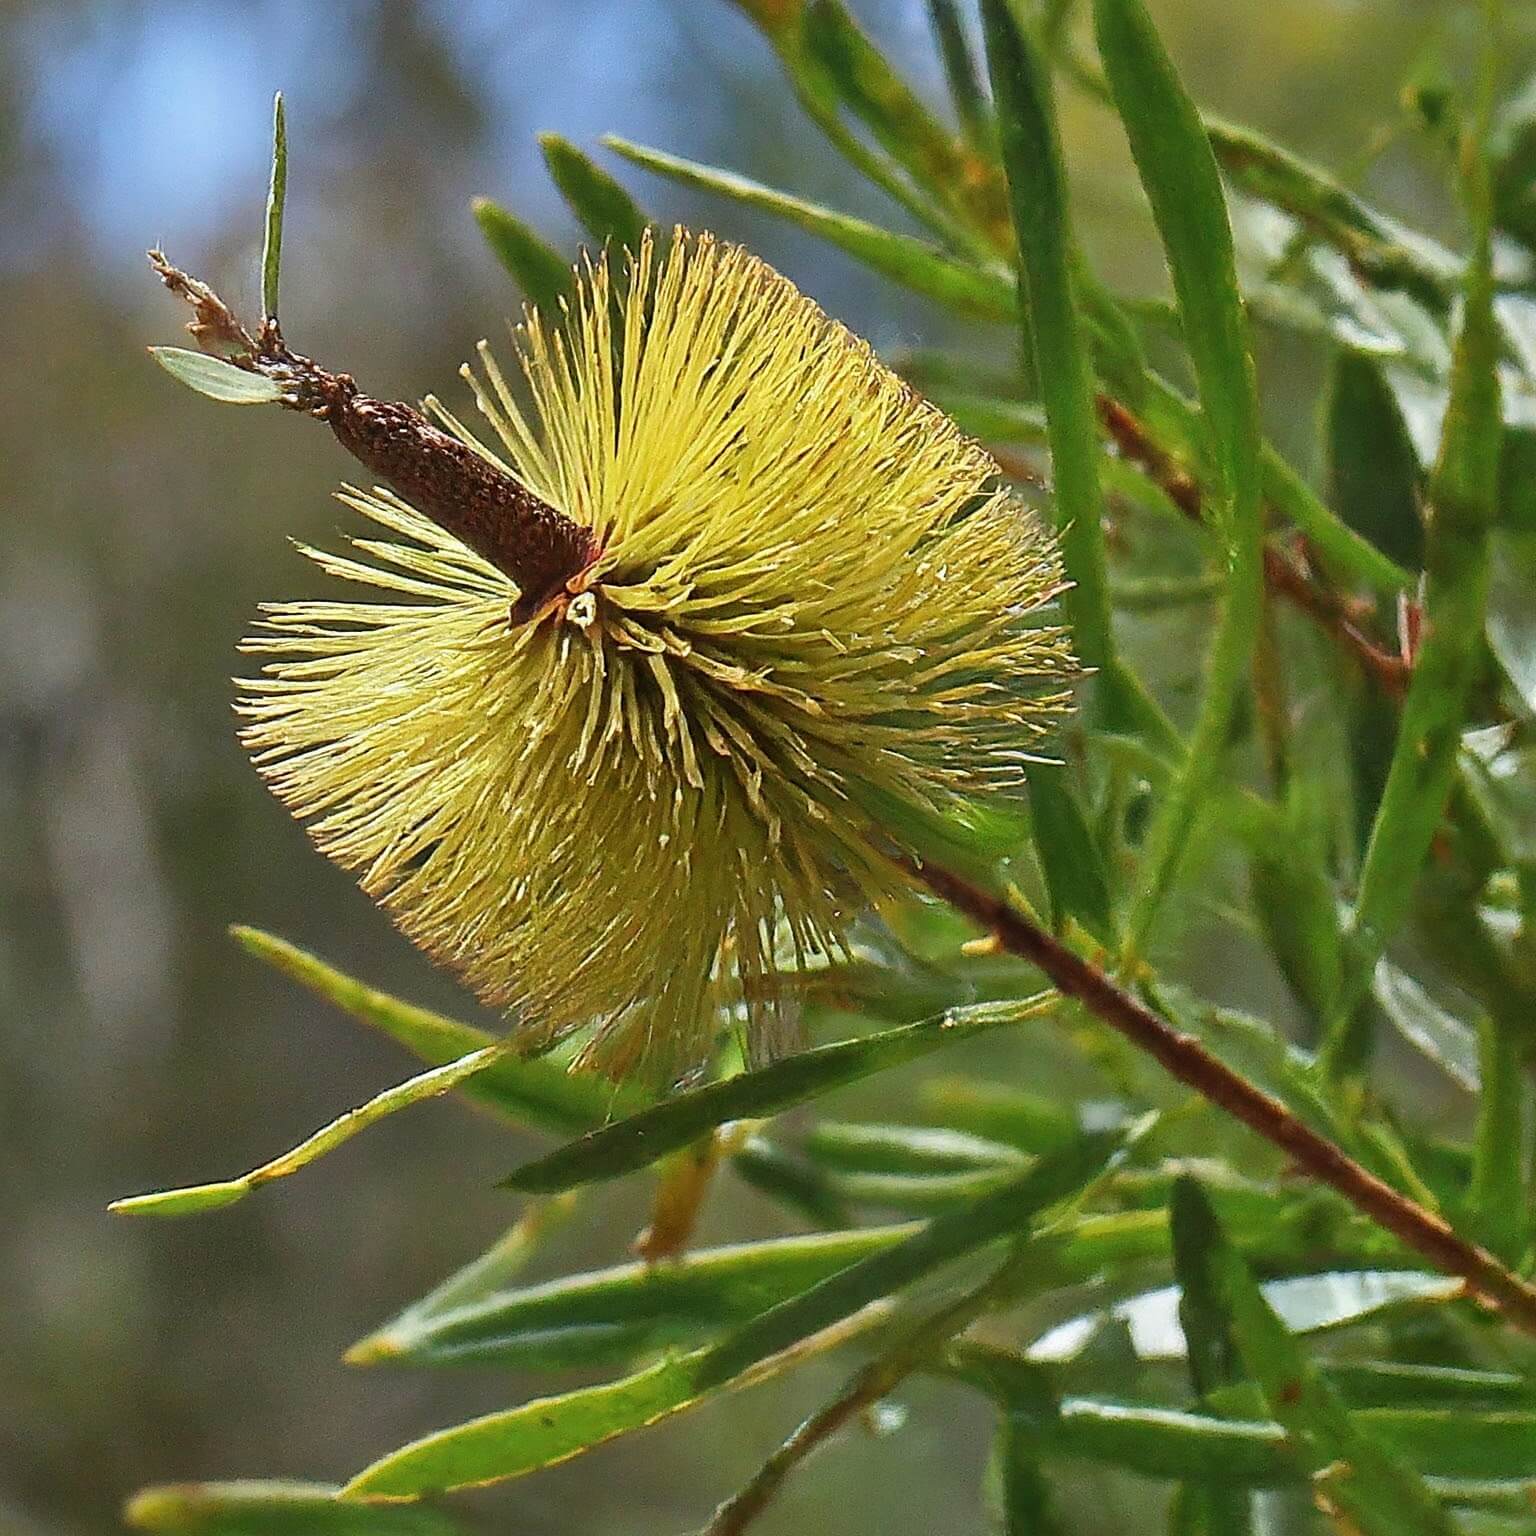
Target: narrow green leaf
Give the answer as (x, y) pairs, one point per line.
(537, 1091)
(792, 1180)
(818, 93)
(642, 1138)
(986, 291)
(1498, 1201)
(277, 196)
(512, 1443)
(1031, 1122)
(958, 178)
(273, 1509)
(537, 268)
(196, 1198)
(1463, 495)
(1016, 1480)
(1071, 861)
(871, 1148)
(611, 1316)
(1178, 172)
(213, 377)
(1042, 226)
(1307, 1303)
(1214, 1509)
(1257, 1453)
(1447, 1041)
(971, 105)
(1373, 472)
(609, 214)
(1351, 1466)
(1382, 251)
(1394, 1384)
(1203, 1316)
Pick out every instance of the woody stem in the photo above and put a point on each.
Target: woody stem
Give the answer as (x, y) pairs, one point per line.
(460, 489)
(1192, 1064)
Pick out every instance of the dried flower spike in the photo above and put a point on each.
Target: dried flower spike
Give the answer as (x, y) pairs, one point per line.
(641, 804)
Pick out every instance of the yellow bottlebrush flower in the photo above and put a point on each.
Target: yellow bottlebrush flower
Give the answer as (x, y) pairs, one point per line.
(804, 585)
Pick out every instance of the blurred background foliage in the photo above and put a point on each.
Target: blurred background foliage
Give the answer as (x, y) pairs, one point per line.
(138, 1046)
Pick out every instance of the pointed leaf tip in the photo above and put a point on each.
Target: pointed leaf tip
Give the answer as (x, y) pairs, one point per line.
(277, 196)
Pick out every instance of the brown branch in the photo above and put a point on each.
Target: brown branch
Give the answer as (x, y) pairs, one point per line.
(1192, 1064)
(462, 491)
(1285, 573)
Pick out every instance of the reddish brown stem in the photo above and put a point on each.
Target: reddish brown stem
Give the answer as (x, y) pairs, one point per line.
(1285, 573)
(1188, 1060)
(497, 516)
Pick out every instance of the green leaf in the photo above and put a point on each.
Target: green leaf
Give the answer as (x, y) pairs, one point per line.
(969, 288)
(971, 105)
(1385, 253)
(953, 174)
(273, 1509)
(913, 1149)
(1041, 223)
(1446, 1040)
(196, 1198)
(1394, 1384)
(1498, 1203)
(1071, 861)
(609, 214)
(1372, 470)
(537, 268)
(818, 93)
(213, 377)
(521, 1440)
(1031, 1122)
(1178, 172)
(1307, 1303)
(1215, 1509)
(1016, 1481)
(635, 1142)
(277, 196)
(1463, 494)
(1203, 1316)
(1353, 1468)
(536, 1091)
(612, 1316)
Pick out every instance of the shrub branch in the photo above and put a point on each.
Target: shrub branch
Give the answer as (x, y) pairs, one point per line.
(1193, 1065)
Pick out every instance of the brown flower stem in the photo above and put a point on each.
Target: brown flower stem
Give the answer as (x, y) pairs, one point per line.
(1285, 572)
(462, 491)
(1193, 1065)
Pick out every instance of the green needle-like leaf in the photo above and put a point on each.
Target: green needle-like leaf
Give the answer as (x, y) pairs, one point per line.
(1354, 1469)
(1462, 498)
(612, 1316)
(965, 286)
(642, 1138)
(196, 1198)
(537, 268)
(1178, 172)
(273, 1509)
(609, 214)
(510, 1444)
(277, 196)
(537, 1092)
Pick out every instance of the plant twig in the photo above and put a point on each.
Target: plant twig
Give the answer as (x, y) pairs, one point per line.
(874, 1381)
(1193, 1065)
(1285, 572)
(463, 491)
